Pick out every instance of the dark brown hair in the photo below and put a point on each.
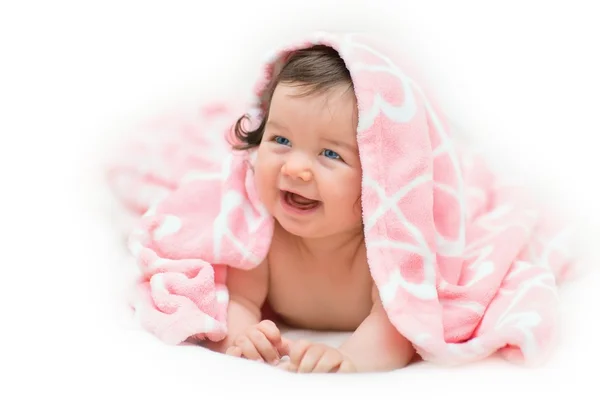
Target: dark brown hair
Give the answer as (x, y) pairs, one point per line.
(317, 68)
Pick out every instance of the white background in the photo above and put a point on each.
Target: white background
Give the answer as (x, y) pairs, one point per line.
(522, 76)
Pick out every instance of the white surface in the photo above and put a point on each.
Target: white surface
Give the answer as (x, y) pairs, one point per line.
(75, 74)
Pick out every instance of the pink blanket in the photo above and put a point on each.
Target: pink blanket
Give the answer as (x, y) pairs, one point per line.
(466, 266)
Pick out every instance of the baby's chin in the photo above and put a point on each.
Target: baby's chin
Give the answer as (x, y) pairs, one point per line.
(316, 229)
(305, 230)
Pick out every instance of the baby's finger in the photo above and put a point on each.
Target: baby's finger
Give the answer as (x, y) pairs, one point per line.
(297, 351)
(270, 329)
(234, 351)
(287, 366)
(329, 362)
(346, 367)
(248, 349)
(273, 334)
(284, 347)
(266, 350)
(310, 359)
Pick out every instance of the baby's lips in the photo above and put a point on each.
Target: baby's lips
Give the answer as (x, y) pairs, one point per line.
(300, 195)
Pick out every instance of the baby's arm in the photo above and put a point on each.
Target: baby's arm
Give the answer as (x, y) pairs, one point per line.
(247, 293)
(377, 345)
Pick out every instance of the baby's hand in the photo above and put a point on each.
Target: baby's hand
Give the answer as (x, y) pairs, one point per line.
(260, 342)
(313, 357)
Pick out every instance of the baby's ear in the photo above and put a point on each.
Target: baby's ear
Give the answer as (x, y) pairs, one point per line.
(251, 160)
(249, 165)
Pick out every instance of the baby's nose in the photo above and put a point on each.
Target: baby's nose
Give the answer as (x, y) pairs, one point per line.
(298, 168)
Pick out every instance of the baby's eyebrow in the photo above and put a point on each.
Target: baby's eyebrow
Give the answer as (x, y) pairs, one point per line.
(276, 125)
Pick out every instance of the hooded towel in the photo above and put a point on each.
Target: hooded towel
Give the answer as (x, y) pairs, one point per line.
(465, 265)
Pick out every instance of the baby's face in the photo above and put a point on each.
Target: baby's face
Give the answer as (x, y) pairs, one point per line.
(307, 171)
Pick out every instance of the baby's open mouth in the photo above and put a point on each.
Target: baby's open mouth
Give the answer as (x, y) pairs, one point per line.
(300, 202)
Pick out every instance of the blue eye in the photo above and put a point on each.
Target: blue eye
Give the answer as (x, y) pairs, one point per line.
(331, 154)
(281, 140)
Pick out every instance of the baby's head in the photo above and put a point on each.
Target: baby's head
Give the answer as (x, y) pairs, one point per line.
(307, 170)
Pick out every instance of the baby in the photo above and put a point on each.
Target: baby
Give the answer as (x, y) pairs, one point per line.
(315, 276)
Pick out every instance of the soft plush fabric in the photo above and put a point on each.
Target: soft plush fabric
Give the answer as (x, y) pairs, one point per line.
(465, 264)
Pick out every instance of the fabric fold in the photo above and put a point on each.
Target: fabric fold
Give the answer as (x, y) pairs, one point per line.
(465, 265)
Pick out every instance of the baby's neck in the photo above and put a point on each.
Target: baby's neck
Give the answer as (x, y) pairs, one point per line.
(339, 246)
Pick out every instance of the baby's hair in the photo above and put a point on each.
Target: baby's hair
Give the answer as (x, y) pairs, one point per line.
(317, 68)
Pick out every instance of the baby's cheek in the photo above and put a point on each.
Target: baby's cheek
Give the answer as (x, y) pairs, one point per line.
(264, 180)
(260, 186)
(352, 197)
(351, 186)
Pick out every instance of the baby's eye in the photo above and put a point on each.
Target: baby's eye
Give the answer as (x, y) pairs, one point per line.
(331, 154)
(281, 140)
